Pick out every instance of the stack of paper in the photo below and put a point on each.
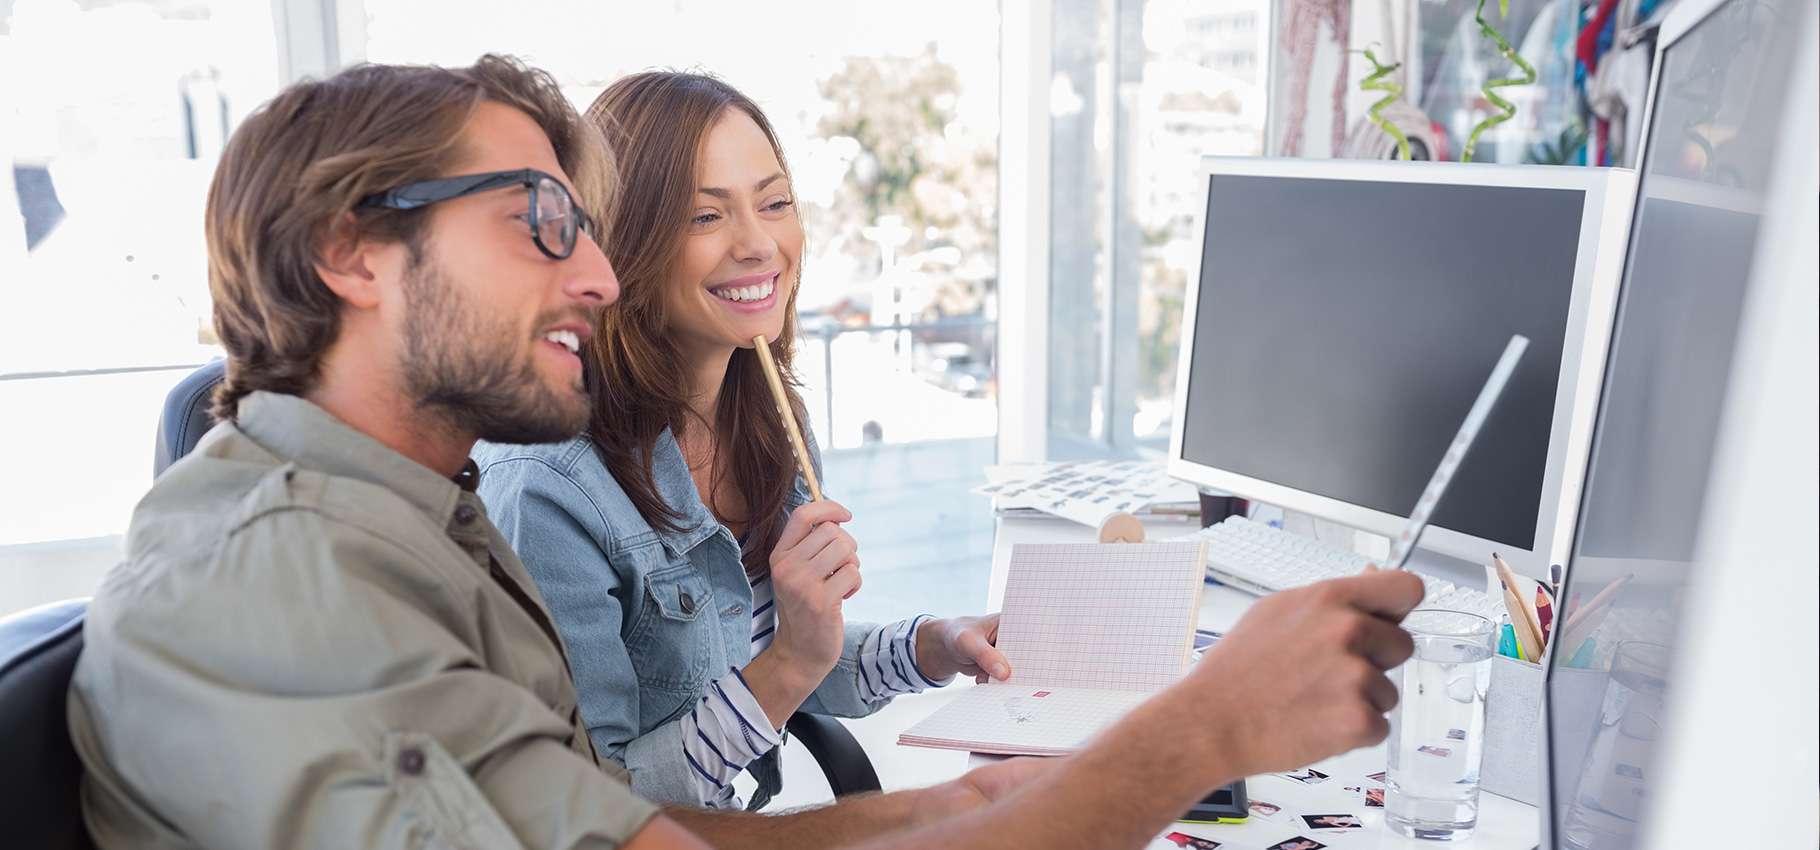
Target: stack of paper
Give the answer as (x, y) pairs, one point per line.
(1086, 491)
(1091, 630)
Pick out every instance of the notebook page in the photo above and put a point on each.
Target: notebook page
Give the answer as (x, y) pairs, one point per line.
(1101, 616)
(1013, 720)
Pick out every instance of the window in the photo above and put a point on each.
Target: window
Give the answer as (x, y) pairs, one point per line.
(1141, 90)
(890, 123)
(112, 115)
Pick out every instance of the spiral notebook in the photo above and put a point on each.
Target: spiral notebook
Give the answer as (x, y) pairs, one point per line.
(1091, 630)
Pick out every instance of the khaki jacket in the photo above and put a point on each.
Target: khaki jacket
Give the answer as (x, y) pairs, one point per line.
(316, 642)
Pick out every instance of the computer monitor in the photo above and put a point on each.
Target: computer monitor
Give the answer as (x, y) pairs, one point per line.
(1695, 555)
(1344, 315)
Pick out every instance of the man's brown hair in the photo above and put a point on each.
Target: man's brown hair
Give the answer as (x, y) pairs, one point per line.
(658, 122)
(293, 175)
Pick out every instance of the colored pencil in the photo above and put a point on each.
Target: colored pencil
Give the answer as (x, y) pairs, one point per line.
(1525, 612)
(1545, 612)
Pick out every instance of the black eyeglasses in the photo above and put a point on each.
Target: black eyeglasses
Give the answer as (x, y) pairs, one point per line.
(553, 217)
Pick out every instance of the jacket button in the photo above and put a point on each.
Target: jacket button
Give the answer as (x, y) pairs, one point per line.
(687, 601)
(410, 762)
(466, 514)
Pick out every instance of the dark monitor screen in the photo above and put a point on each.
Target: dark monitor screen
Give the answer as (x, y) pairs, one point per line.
(1704, 177)
(1344, 328)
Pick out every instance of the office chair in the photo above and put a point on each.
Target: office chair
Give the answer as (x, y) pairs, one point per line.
(186, 418)
(40, 775)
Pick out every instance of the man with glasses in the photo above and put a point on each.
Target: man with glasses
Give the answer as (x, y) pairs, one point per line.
(317, 639)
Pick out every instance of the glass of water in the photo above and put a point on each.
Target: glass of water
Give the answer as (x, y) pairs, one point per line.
(1437, 733)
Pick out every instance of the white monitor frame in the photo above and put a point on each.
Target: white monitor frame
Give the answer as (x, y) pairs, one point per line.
(1604, 230)
(1754, 552)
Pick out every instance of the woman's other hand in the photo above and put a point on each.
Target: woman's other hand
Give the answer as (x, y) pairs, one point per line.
(960, 645)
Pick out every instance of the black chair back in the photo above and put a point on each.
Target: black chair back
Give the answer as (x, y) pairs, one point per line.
(40, 775)
(186, 415)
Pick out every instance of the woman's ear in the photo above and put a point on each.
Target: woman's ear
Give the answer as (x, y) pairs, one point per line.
(345, 262)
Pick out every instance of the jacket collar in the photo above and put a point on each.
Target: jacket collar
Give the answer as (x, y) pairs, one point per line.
(677, 488)
(297, 430)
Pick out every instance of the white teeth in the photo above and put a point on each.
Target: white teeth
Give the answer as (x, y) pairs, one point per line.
(567, 339)
(756, 292)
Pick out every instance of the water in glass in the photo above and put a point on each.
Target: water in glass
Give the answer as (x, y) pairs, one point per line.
(1437, 737)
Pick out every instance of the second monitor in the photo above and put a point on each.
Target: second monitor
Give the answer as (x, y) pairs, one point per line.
(1345, 314)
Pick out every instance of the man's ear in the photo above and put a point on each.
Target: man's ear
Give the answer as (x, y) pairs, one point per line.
(348, 264)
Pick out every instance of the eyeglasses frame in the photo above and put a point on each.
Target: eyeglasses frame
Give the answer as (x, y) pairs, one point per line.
(413, 196)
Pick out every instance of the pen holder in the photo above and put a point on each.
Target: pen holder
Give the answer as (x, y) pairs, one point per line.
(1512, 764)
(1513, 761)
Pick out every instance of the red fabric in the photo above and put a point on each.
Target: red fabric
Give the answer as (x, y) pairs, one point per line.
(1588, 41)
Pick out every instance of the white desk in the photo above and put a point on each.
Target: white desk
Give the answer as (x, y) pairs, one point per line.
(1504, 824)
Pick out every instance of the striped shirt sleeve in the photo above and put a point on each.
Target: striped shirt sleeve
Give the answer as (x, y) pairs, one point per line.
(723, 733)
(887, 662)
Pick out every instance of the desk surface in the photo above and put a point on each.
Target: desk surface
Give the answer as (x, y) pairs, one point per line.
(1504, 824)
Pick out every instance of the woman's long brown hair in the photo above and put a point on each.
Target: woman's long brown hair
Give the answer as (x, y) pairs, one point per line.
(657, 123)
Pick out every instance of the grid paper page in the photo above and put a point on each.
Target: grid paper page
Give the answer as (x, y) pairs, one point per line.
(1117, 616)
(1021, 721)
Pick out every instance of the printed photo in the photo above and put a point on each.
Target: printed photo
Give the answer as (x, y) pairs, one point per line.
(1376, 777)
(1627, 770)
(1456, 734)
(1264, 810)
(1307, 776)
(1336, 822)
(1297, 843)
(1441, 752)
(1374, 798)
(1191, 842)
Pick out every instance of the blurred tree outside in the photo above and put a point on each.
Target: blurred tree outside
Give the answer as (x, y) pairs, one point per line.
(912, 158)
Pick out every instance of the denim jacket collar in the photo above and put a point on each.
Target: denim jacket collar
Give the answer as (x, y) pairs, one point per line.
(677, 488)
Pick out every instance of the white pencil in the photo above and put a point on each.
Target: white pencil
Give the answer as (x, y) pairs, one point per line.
(1402, 545)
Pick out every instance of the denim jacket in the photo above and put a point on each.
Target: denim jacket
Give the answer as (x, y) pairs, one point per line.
(649, 616)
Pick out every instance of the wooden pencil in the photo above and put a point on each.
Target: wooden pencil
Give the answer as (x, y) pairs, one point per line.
(1528, 642)
(783, 409)
(1585, 626)
(1577, 616)
(1526, 608)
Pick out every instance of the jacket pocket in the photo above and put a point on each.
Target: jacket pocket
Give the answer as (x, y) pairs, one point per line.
(673, 643)
(451, 811)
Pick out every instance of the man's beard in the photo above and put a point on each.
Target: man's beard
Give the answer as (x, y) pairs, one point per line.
(467, 372)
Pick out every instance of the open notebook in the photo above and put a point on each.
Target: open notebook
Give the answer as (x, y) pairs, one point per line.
(1091, 630)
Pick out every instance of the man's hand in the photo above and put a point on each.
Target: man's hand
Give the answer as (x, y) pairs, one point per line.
(960, 645)
(1301, 677)
(979, 787)
(813, 569)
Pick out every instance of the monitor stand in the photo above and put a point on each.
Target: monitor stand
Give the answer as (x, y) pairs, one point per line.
(1460, 572)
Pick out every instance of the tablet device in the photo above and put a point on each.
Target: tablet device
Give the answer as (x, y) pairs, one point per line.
(1227, 804)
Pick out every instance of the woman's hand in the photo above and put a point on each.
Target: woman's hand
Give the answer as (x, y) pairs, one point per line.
(814, 568)
(960, 645)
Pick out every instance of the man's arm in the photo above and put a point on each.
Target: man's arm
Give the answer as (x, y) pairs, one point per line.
(861, 818)
(1299, 679)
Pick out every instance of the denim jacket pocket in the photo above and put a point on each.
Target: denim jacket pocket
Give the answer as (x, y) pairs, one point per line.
(674, 641)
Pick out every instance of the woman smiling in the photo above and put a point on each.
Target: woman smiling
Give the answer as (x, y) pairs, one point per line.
(697, 588)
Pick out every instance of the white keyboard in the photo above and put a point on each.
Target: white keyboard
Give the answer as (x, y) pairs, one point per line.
(1264, 559)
